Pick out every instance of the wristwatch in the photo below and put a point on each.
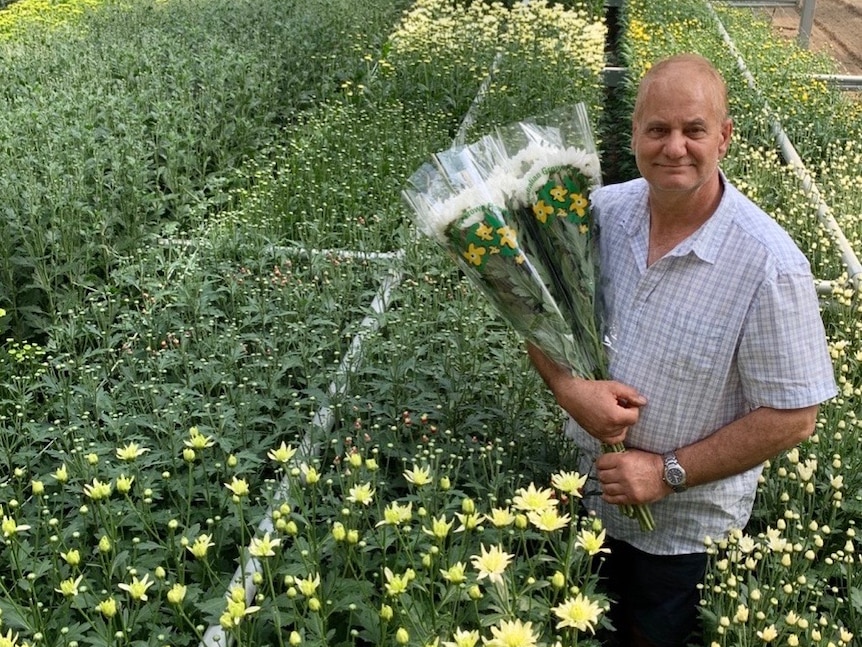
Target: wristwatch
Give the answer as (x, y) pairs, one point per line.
(674, 474)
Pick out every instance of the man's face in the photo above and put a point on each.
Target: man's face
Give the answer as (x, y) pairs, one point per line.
(680, 134)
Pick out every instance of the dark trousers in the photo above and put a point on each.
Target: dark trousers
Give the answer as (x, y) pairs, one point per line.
(654, 597)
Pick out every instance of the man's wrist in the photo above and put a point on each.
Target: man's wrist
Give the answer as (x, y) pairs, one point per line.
(673, 474)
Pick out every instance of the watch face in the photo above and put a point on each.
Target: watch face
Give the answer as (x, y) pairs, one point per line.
(674, 476)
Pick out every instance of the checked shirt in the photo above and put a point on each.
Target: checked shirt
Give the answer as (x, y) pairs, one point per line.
(726, 322)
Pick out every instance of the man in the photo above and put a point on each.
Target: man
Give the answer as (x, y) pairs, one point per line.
(717, 353)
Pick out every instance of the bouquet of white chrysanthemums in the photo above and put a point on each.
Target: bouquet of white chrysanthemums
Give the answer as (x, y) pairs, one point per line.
(513, 209)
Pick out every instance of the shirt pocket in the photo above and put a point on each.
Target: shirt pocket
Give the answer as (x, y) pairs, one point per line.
(694, 347)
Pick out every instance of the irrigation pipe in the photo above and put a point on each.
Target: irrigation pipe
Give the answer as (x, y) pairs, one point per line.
(824, 213)
(323, 420)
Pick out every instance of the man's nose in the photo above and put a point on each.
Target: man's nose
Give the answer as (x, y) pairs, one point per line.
(675, 145)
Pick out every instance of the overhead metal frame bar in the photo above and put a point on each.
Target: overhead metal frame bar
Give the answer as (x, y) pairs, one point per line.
(806, 16)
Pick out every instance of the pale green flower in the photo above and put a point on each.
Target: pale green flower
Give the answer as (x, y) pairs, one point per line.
(72, 558)
(235, 612)
(309, 474)
(419, 476)
(131, 451)
(308, 586)
(491, 563)
(197, 440)
(61, 474)
(137, 590)
(439, 527)
(124, 483)
(396, 514)
(462, 638)
(283, 454)
(469, 521)
(455, 574)
(108, 607)
(263, 547)
(362, 494)
(201, 545)
(176, 594)
(768, 634)
(579, 613)
(397, 584)
(10, 527)
(501, 517)
(592, 543)
(339, 532)
(239, 487)
(69, 587)
(98, 490)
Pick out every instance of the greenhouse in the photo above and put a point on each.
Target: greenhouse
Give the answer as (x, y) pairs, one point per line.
(244, 401)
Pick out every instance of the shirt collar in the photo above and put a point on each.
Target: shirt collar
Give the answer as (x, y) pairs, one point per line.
(703, 243)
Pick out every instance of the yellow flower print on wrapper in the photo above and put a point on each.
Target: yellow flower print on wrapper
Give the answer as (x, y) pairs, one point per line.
(508, 237)
(485, 232)
(542, 210)
(579, 205)
(559, 193)
(474, 254)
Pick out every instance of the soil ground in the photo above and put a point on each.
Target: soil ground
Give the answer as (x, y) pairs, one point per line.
(837, 30)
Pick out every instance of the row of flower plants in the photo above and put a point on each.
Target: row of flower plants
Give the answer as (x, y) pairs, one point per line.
(168, 407)
(793, 576)
(161, 428)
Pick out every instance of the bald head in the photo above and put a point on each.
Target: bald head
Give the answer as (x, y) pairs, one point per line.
(684, 69)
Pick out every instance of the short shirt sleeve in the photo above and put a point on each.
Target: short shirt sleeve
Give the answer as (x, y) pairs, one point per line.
(784, 361)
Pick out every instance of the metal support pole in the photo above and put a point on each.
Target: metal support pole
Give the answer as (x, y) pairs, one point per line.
(806, 23)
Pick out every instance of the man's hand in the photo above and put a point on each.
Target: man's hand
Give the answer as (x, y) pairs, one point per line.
(631, 477)
(604, 408)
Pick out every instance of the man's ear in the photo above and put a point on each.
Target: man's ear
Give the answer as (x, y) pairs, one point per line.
(726, 133)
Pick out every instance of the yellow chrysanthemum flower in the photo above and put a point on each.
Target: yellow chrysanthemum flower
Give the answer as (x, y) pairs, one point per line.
(491, 563)
(397, 584)
(455, 574)
(131, 451)
(532, 498)
(548, 520)
(570, 483)
(283, 454)
(98, 490)
(137, 590)
(439, 527)
(512, 633)
(362, 494)
(501, 517)
(263, 547)
(579, 612)
(395, 514)
(591, 542)
(201, 545)
(462, 638)
(239, 487)
(419, 476)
